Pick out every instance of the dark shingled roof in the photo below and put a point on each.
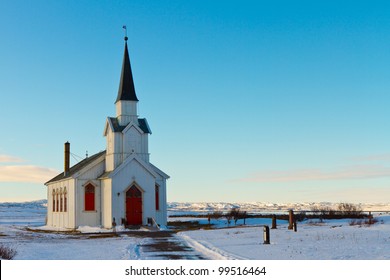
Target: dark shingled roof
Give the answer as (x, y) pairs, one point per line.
(116, 126)
(126, 87)
(76, 168)
(143, 125)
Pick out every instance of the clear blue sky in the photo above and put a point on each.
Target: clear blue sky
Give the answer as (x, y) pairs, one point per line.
(279, 101)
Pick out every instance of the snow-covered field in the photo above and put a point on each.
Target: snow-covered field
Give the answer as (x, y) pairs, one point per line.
(256, 207)
(335, 239)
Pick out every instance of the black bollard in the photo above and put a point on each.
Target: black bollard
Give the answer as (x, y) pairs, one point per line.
(273, 222)
(295, 226)
(266, 235)
(290, 219)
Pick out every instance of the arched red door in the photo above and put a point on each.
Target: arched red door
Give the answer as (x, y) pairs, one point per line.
(134, 206)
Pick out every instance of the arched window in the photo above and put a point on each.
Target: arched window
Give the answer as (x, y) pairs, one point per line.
(57, 202)
(65, 201)
(54, 200)
(157, 195)
(61, 201)
(89, 197)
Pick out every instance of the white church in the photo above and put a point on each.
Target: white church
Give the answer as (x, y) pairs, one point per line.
(116, 185)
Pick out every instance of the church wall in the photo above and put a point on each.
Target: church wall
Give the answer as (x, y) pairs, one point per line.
(61, 219)
(113, 150)
(122, 180)
(91, 218)
(106, 203)
(135, 142)
(110, 146)
(161, 215)
(110, 150)
(71, 204)
(118, 157)
(109, 162)
(117, 139)
(94, 172)
(126, 112)
(132, 141)
(145, 147)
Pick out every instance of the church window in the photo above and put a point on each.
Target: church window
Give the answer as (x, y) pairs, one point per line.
(54, 200)
(89, 197)
(134, 192)
(57, 202)
(157, 191)
(65, 201)
(61, 202)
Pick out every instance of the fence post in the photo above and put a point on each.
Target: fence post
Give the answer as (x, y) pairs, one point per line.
(290, 219)
(266, 235)
(273, 221)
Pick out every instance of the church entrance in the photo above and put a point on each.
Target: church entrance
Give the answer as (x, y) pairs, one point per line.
(134, 206)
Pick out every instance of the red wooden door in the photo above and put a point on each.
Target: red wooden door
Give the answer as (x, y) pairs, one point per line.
(134, 206)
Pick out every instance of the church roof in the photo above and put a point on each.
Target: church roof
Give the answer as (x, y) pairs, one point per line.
(76, 168)
(115, 125)
(159, 171)
(126, 86)
(142, 124)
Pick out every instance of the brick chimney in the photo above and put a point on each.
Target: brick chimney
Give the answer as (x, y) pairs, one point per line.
(67, 159)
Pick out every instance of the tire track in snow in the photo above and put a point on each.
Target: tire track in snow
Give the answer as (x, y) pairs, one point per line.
(208, 250)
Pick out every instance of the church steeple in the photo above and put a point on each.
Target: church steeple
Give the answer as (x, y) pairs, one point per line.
(126, 102)
(126, 86)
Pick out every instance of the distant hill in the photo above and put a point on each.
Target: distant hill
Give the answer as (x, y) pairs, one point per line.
(265, 206)
(27, 204)
(224, 206)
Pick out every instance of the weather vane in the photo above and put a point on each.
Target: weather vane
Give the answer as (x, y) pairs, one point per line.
(125, 28)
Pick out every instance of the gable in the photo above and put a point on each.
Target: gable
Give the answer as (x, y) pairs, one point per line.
(132, 139)
(107, 126)
(130, 126)
(135, 158)
(114, 126)
(75, 170)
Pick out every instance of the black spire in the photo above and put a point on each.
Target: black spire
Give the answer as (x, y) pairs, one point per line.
(126, 86)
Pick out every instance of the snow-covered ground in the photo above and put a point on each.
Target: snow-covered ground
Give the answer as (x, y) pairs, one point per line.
(335, 239)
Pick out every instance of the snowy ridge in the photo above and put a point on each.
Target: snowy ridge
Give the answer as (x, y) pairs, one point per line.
(264, 206)
(28, 204)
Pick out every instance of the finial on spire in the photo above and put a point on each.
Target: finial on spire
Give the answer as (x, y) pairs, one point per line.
(125, 28)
